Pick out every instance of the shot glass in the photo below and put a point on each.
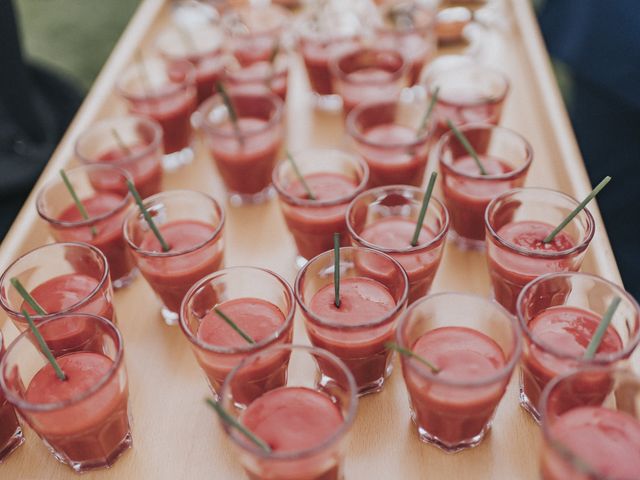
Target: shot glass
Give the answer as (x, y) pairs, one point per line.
(132, 143)
(372, 299)
(273, 74)
(84, 424)
(245, 156)
(192, 225)
(321, 38)
(385, 218)
(559, 314)
(411, 28)
(516, 222)
(105, 209)
(468, 93)
(335, 178)
(266, 316)
(10, 432)
(467, 191)
(475, 344)
(588, 438)
(255, 31)
(388, 135)
(200, 44)
(367, 74)
(323, 400)
(65, 279)
(167, 94)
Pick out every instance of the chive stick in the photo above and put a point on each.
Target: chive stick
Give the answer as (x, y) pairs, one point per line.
(467, 146)
(233, 325)
(233, 115)
(229, 420)
(336, 268)
(43, 346)
(408, 353)
(27, 296)
(592, 348)
(423, 209)
(121, 143)
(577, 210)
(77, 201)
(147, 216)
(427, 115)
(296, 170)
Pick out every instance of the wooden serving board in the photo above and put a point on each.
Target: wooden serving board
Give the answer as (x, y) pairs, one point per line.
(175, 434)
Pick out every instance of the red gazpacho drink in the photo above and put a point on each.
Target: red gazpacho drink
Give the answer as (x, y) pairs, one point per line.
(272, 74)
(368, 74)
(105, 211)
(517, 222)
(10, 432)
(132, 143)
(334, 178)
(63, 278)
(371, 302)
(389, 136)
(167, 94)
(202, 46)
(559, 314)
(410, 27)
(261, 304)
(469, 93)
(84, 418)
(191, 223)
(466, 189)
(473, 345)
(585, 439)
(385, 219)
(304, 422)
(245, 152)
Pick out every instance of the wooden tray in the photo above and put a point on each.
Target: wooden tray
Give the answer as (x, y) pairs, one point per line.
(175, 434)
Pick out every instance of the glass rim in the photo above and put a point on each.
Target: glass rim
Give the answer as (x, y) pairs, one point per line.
(280, 68)
(425, 372)
(447, 136)
(430, 78)
(354, 131)
(105, 123)
(117, 362)
(566, 454)
(154, 95)
(306, 202)
(340, 74)
(384, 28)
(377, 192)
(134, 214)
(124, 203)
(580, 247)
(348, 419)
(248, 348)
(240, 90)
(69, 310)
(311, 316)
(597, 359)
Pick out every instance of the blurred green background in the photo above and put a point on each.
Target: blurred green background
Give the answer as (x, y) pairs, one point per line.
(74, 37)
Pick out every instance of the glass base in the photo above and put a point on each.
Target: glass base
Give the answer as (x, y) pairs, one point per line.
(125, 281)
(466, 244)
(377, 385)
(300, 261)
(14, 442)
(107, 462)
(327, 103)
(239, 199)
(527, 404)
(447, 447)
(169, 317)
(173, 161)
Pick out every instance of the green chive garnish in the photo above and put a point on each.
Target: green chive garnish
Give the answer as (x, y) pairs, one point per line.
(229, 420)
(427, 114)
(233, 115)
(76, 200)
(147, 216)
(27, 296)
(43, 346)
(467, 146)
(336, 269)
(296, 170)
(423, 209)
(592, 348)
(409, 353)
(233, 325)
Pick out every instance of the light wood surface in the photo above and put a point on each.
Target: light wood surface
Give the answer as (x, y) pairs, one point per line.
(175, 434)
